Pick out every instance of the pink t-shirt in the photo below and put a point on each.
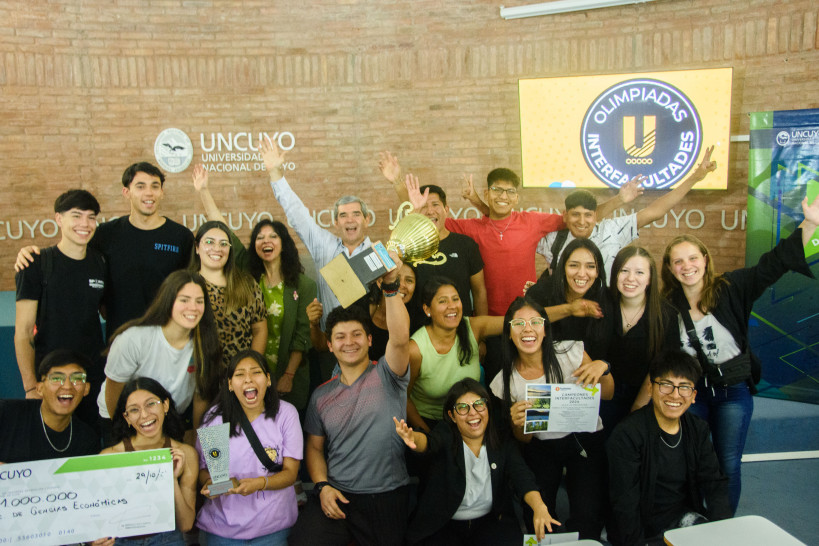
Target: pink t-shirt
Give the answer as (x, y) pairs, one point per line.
(508, 251)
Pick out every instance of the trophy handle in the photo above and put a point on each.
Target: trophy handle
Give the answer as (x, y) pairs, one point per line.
(439, 258)
(405, 208)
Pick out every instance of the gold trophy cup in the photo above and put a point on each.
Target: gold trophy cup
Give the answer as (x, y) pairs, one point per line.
(415, 238)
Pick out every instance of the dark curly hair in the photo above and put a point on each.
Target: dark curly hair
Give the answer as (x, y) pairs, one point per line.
(290, 262)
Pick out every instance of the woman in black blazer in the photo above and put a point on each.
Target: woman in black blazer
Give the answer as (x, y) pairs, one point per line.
(473, 477)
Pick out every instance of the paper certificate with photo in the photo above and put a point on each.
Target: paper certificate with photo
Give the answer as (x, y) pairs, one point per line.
(79, 499)
(562, 407)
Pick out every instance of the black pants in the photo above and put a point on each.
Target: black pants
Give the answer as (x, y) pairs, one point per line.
(372, 519)
(489, 530)
(584, 458)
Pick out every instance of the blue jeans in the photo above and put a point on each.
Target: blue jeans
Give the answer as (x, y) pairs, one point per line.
(728, 413)
(279, 538)
(168, 538)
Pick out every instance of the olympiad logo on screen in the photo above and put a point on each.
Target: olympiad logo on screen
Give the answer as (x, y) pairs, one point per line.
(173, 150)
(641, 126)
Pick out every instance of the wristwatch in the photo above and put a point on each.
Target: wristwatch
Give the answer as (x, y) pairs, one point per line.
(319, 486)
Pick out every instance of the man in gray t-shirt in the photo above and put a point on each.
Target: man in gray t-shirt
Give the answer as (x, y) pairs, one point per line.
(352, 452)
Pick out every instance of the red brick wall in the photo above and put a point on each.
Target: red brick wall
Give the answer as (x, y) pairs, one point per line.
(85, 87)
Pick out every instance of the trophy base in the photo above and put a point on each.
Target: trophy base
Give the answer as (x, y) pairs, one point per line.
(216, 489)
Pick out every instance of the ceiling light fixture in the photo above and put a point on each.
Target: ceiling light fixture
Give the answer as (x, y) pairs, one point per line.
(562, 6)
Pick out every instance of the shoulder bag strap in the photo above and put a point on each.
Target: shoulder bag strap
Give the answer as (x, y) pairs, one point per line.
(264, 458)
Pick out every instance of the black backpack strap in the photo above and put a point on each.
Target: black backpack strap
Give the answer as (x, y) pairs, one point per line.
(264, 458)
(694, 340)
(557, 246)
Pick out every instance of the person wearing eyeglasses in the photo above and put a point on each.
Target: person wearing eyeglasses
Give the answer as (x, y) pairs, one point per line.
(33, 430)
(146, 418)
(237, 302)
(474, 474)
(663, 470)
(532, 357)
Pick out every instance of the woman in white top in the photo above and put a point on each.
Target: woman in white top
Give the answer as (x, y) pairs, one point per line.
(174, 342)
(531, 357)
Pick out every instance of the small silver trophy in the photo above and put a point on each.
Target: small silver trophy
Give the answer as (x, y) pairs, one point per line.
(215, 442)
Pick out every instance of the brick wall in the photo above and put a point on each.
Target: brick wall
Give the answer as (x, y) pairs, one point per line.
(86, 87)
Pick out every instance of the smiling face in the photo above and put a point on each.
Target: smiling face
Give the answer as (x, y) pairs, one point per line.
(268, 245)
(213, 249)
(145, 412)
(528, 339)
(406, 278)
(62, 400)
(687, 263)
(189, 306)
(634, 277)
(580, 221)
(351, 224)
(446, 309)
(249, 383)
(669, 408)
(435, 210)
(77, 226)
(501, 198)
(349, 343)
(472, 425)
(581, 272)
(144, 192)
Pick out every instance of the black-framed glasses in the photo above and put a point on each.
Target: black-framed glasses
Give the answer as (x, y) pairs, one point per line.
(534, 322)
(498, 191)
(462, 408)
(76, 378)
(667, 388)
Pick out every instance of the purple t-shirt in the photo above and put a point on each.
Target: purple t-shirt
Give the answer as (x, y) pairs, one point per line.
(263, 512)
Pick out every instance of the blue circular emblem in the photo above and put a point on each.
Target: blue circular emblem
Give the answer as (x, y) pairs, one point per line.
(641, 126)
(215, 453)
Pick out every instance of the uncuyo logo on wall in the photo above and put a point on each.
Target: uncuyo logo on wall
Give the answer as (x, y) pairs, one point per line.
(173, 150)
(641, 126)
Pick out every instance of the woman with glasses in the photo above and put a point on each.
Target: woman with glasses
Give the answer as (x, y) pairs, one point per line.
(530, 357)
(174, 342)
(236, 300)
(273, 261)
(146, 418)
(643, 328)
(474, 474)
(261, 506)
(443, 352)
(713, 325)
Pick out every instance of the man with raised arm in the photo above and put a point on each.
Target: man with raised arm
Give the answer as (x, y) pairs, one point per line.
(141, 249)
(352, 453)
(350, 216)
(464, 266)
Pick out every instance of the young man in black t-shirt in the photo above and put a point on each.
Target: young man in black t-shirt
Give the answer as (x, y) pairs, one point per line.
(59, 297)
(663, 470)
(141, 249)
(33, 430)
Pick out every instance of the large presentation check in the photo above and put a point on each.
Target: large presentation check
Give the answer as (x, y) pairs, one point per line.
(64, 501)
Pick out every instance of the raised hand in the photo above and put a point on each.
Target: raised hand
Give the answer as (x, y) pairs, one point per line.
(389, 166)
(632, 189)
(200, 177)
(273, 157)
(417, 199)
(706, 165)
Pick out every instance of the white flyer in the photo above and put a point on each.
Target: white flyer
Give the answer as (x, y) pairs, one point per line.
(562, 407)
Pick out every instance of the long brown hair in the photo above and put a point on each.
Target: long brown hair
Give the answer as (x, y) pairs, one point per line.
(207, 354)
(712, 283)
(241, 289)
(654, 301)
